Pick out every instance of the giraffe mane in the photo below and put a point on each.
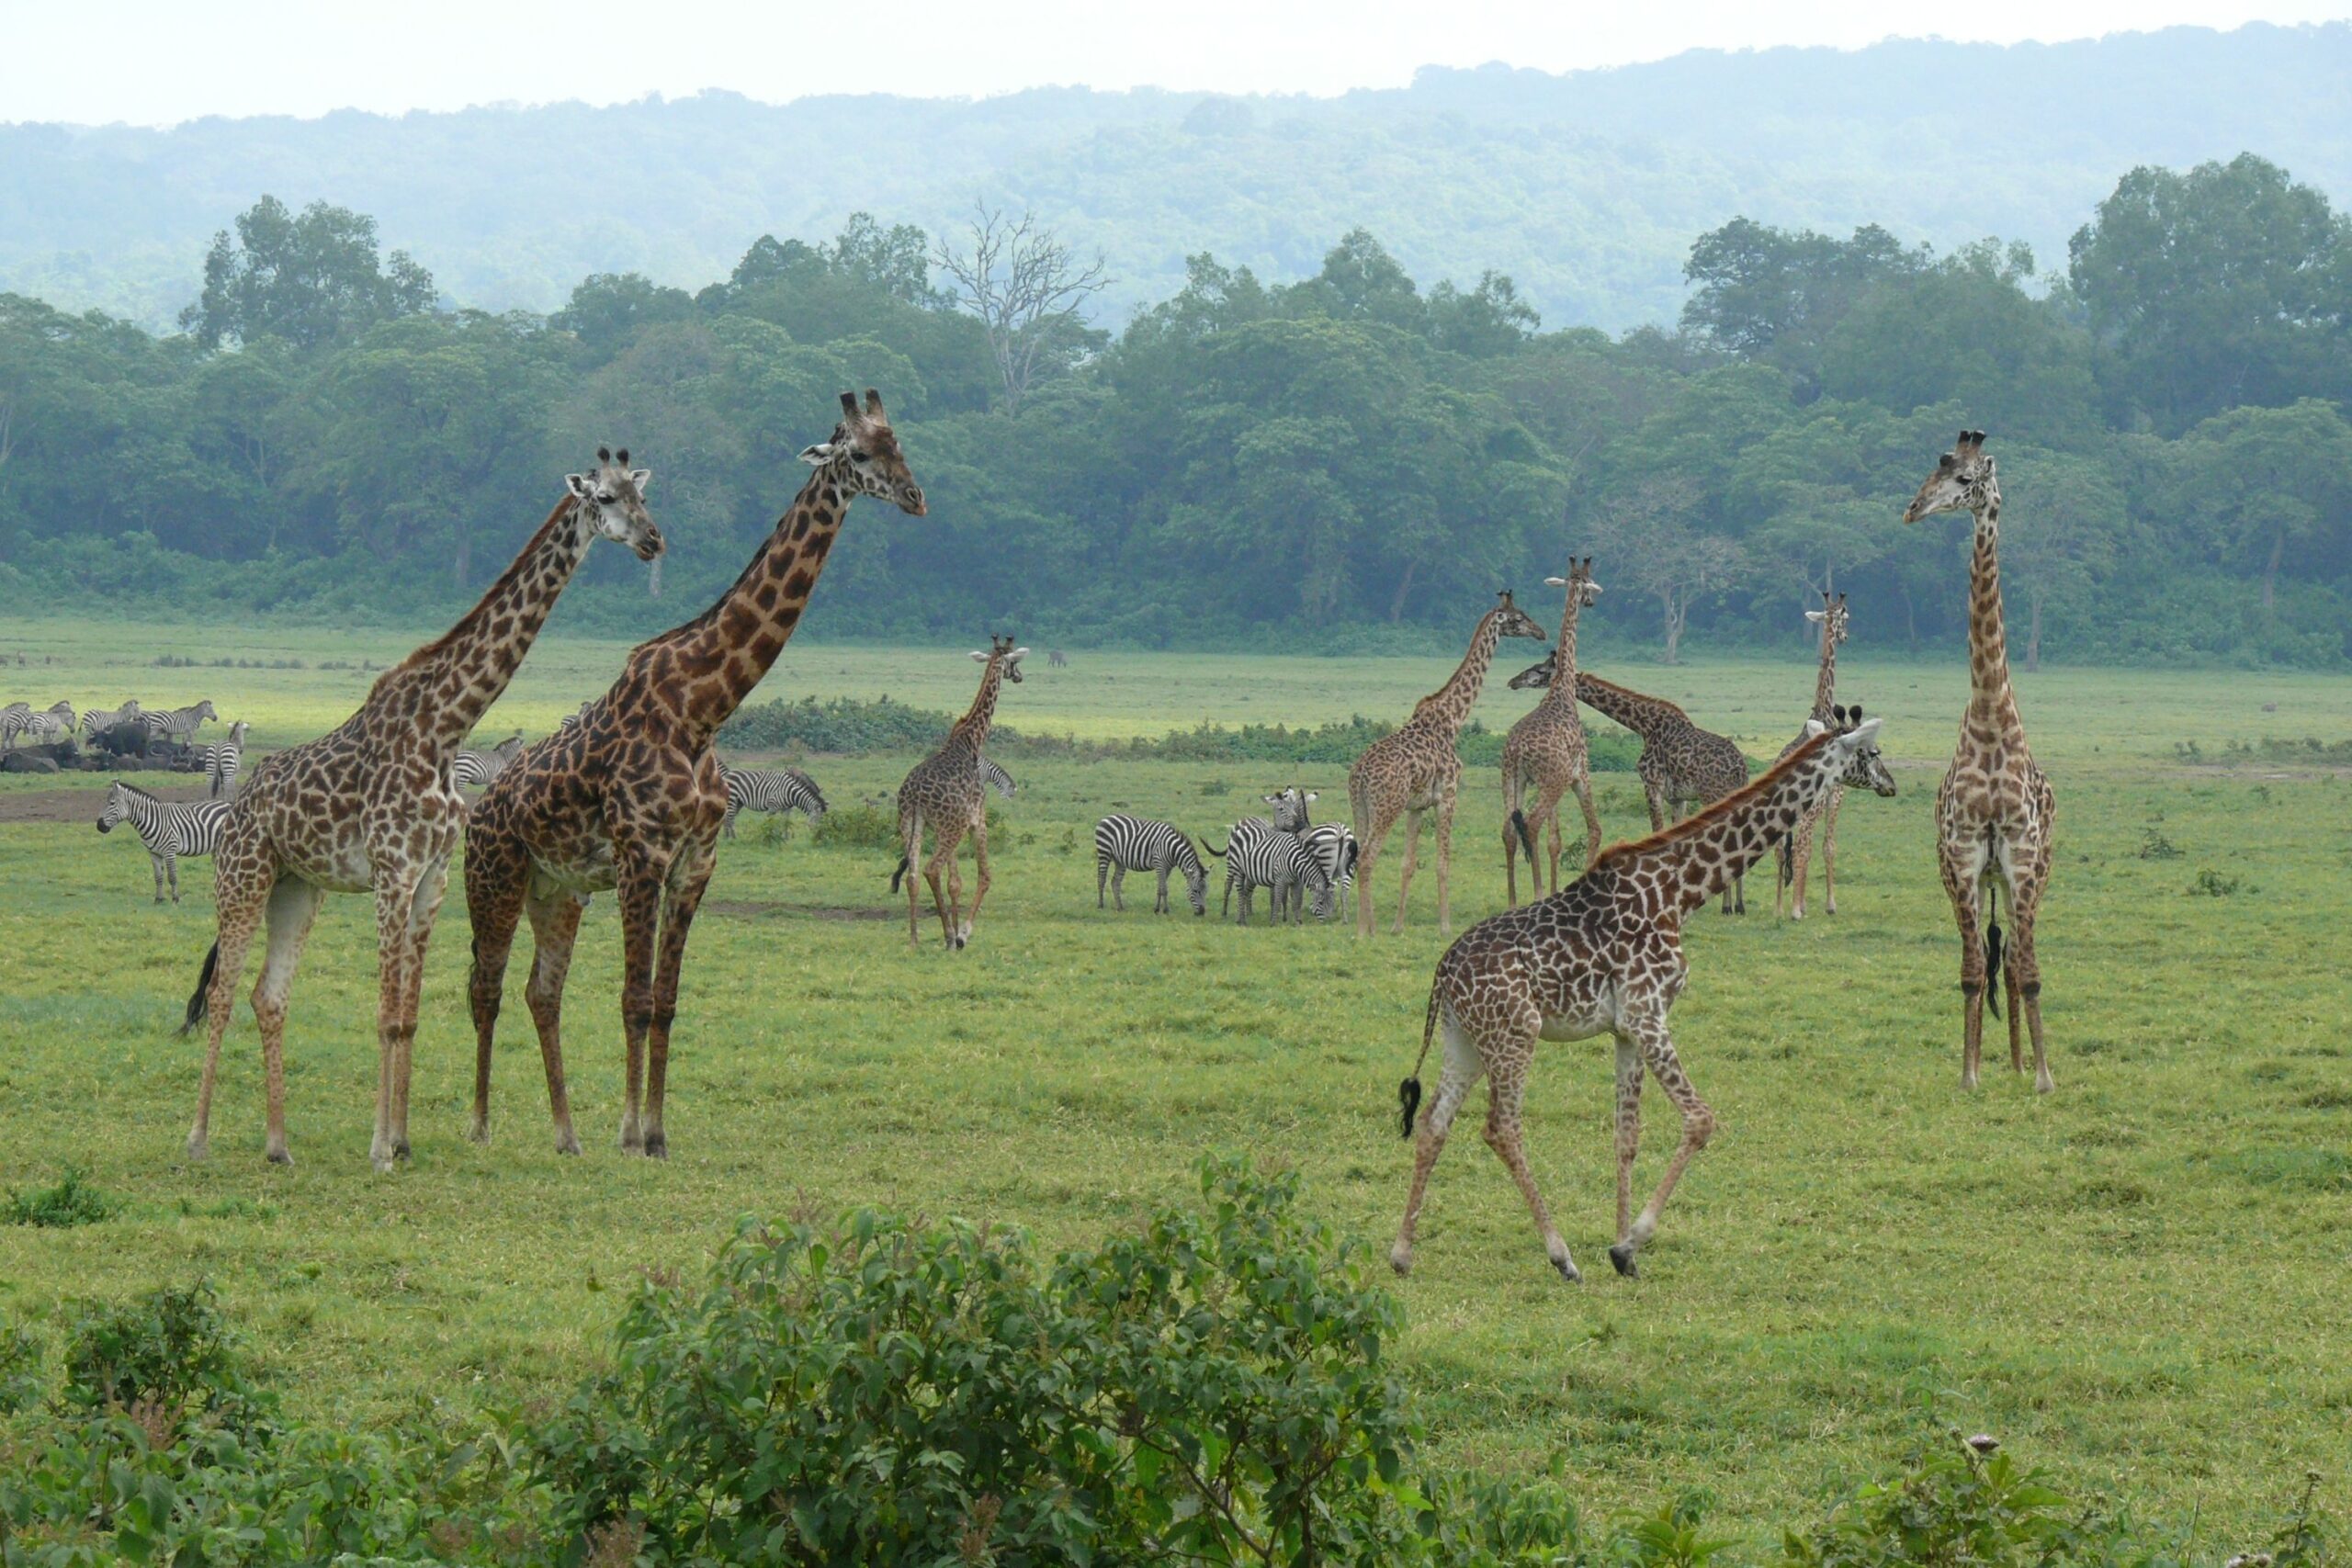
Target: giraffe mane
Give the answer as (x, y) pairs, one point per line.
(1692, 825)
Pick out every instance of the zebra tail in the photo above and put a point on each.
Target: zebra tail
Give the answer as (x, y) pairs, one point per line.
(1408, 1093)
(1526, 834)
(1214, 850)
(197, 1002)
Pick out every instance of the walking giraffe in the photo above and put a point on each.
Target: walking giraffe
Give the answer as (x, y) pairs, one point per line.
(948, 790)
(1797, 849)
(370, 808)
(1601, 957)
(1680, 762)
(1995, 811)
(1546, 750)
(1416, 769)
(630, 797)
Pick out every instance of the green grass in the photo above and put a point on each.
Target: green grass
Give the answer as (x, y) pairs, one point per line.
(2139, 1280)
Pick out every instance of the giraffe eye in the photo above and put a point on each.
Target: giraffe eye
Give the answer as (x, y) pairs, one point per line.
(604, 498)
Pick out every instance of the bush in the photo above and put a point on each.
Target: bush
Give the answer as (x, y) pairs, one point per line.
(849, 726)
(21, 1376)
(169, 1350)
(858, 827)
(72, 1202)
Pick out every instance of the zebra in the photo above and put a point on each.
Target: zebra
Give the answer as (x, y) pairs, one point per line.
(1335, 845)
(168, 830)
(1057, 660)
(763, 789)
(572, 720)
(220, 759)
(97, 721)
(177, 725)
(48, 727)
(474, 769)
(1123, 844)
(1290, 817)
(1281, 863)
(997, 779)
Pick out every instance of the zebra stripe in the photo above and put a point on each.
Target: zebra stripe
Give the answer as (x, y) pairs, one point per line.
(97, 721)
(168, 830)
(761, 789)
(1281, 863)
(997, 779)
(47, 728)
(1335, 846)
(473, 768)
(1123, 844)
(221, 759)
(178, 724)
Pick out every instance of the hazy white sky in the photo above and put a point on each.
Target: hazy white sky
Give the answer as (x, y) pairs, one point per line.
(161, 61)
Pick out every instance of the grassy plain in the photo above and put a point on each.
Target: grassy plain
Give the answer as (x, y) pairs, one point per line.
(2140, 1280)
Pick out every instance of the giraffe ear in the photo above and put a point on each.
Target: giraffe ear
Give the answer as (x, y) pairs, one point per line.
(1816, 615)
(1813, 727)
(1020, 653)
(1556, 582)
(641, 477)
(979, 658)
(1312, 797)
(578, 485)
(817, 456)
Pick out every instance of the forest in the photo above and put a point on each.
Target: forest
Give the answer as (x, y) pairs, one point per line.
(1353, 461)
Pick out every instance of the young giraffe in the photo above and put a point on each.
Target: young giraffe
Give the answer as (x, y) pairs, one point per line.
(1679, 762)
(1603, 956)
(370, 806)
(1546, 750)
(1995, 811)
(1415, 769)
(1797, 849)
(630, 797)
(947, 790)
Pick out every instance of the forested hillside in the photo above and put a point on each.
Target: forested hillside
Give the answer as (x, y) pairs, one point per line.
(1587, 189)
(1357, 459)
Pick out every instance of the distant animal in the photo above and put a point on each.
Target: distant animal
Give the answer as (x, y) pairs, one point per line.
(128, 738)
(178, 724)
(1123, 844)
(1680, 763)
(948, 791)
(473, 768)
(1290, 804)
(221, 759)
(572, 720)
(50, 726)
(764, 789)
(1057, 660)
(97, 721)
(997, 779)
(13, 716)
(170, 831)
(1282, 864)
(1334, 844)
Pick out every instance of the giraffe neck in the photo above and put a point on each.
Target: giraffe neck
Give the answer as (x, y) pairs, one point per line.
(468, 668)
(1824, 689)
(1990, 697)
(1449, 706)
(1644, 716)
(971, 731)
(1695, 860)
(720, 656)
(1560, 696)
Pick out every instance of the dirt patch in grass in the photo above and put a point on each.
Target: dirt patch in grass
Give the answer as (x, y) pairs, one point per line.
(78, 802)
(766, 910)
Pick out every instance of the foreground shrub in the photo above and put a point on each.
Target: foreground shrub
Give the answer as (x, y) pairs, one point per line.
(72, 1202)
(168, 1352)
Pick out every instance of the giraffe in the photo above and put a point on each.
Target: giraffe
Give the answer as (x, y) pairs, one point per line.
(1601, 957)
(947, 790)
(1680, 762)
(630, 797)
(1797, 849)
(370, 808)
(1415, 769)
(1995, 811)
(1546, 750)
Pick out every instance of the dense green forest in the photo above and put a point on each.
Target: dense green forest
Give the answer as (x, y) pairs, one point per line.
(1352, 460)
(1586, 188)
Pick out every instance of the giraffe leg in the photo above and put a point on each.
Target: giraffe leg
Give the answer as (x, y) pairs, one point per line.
(395, 887)
(496, 878)
(1462, 1070)
(1800, 862)
(293, 904)
(1659, 814)
(1445, 861)
(689, 878)
(2025, 981)
(1551, 847)
(1830, 851)
(1505, 1093)
(1592, 820)
(1629, 1131)
(915, 869)
(1404, 871)
(555, 925)
(238, 893)
(643, 876)
(1960, 875)
(980, 880)
(425, 906)
(1510, 859)
(1697, 1126)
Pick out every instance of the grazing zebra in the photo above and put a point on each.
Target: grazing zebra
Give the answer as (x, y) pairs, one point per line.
(473, 769)
(221, 759)
(97, 721)
(1334, 844)
(1290, 817)
(1123, 844)
(169, 832)
(1057, 660)
(47, 728)
(764, 789)
(1280, 862)
(177, 724)
(997, 779)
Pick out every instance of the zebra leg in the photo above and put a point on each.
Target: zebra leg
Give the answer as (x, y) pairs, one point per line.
(172, 871)
(1119, 887)
(293, 905)
(1101, 879)
(1160, 898)
(155, 864)
(555, 923)
(727, 823)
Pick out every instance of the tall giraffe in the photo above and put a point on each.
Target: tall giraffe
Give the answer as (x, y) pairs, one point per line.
(1995, 811)
(1797, 849)
(370, 806)
(1601, 957)
(1680, 762)
(1416, 769)
(631, 797)
(1546, 750)
(948, 791)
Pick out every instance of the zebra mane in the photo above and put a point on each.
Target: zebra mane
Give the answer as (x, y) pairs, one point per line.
(134, 789)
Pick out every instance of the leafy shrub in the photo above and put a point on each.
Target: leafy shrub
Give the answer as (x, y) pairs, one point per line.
(72, 1202)
(858, 827)
(2211, 883)
(846, 725)
(2153, 845)
(21, 1376)
(169, 1350)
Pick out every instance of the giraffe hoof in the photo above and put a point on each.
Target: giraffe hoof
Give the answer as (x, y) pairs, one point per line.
(479, 1132)
(1622, 1255)
(1400, 1261)
(567, 1145)
(657, 1146)
(280, 1156)
(1568, 1269)
(199, 1148)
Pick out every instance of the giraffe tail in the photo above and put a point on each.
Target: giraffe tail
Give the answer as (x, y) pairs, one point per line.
(899, 874)
(198, 1002)
(1993, 947)
(1408, 1093)
(1526, 834)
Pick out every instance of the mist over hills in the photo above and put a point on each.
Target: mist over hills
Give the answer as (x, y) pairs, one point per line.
(1587, 187)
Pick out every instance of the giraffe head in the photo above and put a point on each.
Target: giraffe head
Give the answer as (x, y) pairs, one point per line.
(1512, 621)
(1290, 808)
(1000, 648)
(1582, 588)
(1866, 768)
(864, 452)
(1831, 619)
(613, 494)
(1962, 481)
(1537, 676)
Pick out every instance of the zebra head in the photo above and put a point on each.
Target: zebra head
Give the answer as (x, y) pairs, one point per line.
(117, 806)
(1196, 879)
(1320, 891)
(613, 495)
(1290, 808)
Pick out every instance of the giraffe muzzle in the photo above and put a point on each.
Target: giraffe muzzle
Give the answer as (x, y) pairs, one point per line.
(651, 546)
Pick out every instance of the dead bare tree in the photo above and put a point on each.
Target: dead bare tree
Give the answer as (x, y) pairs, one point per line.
(1027, 289)
(1642, 534)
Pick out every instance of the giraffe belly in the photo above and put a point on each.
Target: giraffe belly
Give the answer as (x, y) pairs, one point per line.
(589, 872)
(1581, 1024)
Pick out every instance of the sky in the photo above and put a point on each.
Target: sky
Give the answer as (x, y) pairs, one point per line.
(164, 61)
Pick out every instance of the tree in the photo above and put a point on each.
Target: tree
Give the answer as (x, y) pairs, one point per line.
(1767, 294)
(2063, 517)
(1029, 292)
(2259, 480)
(1663, 556)
(608, 309)
(311, 279)
(896, 260)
